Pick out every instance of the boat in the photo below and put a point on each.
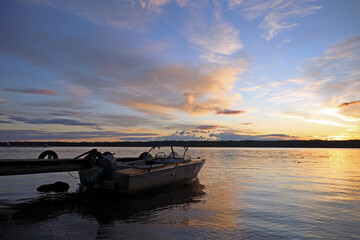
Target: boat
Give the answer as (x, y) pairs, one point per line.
(159, 167)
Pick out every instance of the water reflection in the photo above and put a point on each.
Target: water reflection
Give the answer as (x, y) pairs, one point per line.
(105, 208)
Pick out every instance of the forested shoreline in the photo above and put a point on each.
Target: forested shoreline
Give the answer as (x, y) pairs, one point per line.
(274, 144)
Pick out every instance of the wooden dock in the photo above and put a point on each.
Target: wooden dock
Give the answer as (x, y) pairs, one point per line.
(31, 166)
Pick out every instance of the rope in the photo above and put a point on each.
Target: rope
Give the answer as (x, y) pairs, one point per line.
(73, 176)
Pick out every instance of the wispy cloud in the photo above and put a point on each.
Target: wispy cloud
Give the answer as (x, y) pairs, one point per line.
(65, 113)
(24, 135)
(31, 91)
(124, 121)
(328, 82)
(79, 91)
(234, 3)
(61, 121)
(213, 34)
(226, 136)
(335, 75)
(326, 122)
(69, 104)
(118, 14)
(276, 14)
(313, 117)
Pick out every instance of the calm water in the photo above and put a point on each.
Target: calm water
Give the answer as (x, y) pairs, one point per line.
(242, 193)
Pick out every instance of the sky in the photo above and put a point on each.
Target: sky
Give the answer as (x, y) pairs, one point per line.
(137, 70)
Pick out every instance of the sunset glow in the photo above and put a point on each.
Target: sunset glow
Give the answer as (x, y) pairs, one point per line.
(141, 70)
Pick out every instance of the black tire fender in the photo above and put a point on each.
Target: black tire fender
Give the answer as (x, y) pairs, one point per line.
(49, 153)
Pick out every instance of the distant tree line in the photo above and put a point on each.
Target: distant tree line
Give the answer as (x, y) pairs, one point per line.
(274, 144)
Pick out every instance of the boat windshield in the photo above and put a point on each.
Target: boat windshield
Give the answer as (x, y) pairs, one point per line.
(170, 152)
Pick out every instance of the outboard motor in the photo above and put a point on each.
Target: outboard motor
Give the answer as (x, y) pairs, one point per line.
(107, 166)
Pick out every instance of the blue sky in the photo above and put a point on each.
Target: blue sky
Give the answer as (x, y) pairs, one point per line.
(179, 70)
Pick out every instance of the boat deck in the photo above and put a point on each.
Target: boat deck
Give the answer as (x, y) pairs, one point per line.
(137, 171)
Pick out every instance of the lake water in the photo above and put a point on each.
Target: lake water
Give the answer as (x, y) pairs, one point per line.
(241, 193)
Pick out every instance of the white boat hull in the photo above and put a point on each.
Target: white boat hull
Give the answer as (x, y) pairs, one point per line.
(133, 180)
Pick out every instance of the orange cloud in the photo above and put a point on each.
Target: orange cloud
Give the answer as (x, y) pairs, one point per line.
(180, 87)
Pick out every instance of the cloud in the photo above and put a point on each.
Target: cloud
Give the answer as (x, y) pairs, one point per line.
(65, 113)
(179, 136)
(153, 4)
(277, 136)
(212, 34)
(183, 132)
(207, 127)
(107, 69)
(350, 109)
(124, 120)
(276, 13)
(351, 112)
(117, 14)
(81, 119)
(209, 32)
(79, 91)
(7, 122)
(181, 87)
(31, 135)
(74, 103)
(40, 121)
(226, 136)
(328, 81)
(346, 104)
(176, 136)
(32, 91)
(314, 117)
(230, 112)
(257, 8)
(334, 75)
(136, 134)
(114, 74)
(247, 123)
(234, 3)
(2, 101)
